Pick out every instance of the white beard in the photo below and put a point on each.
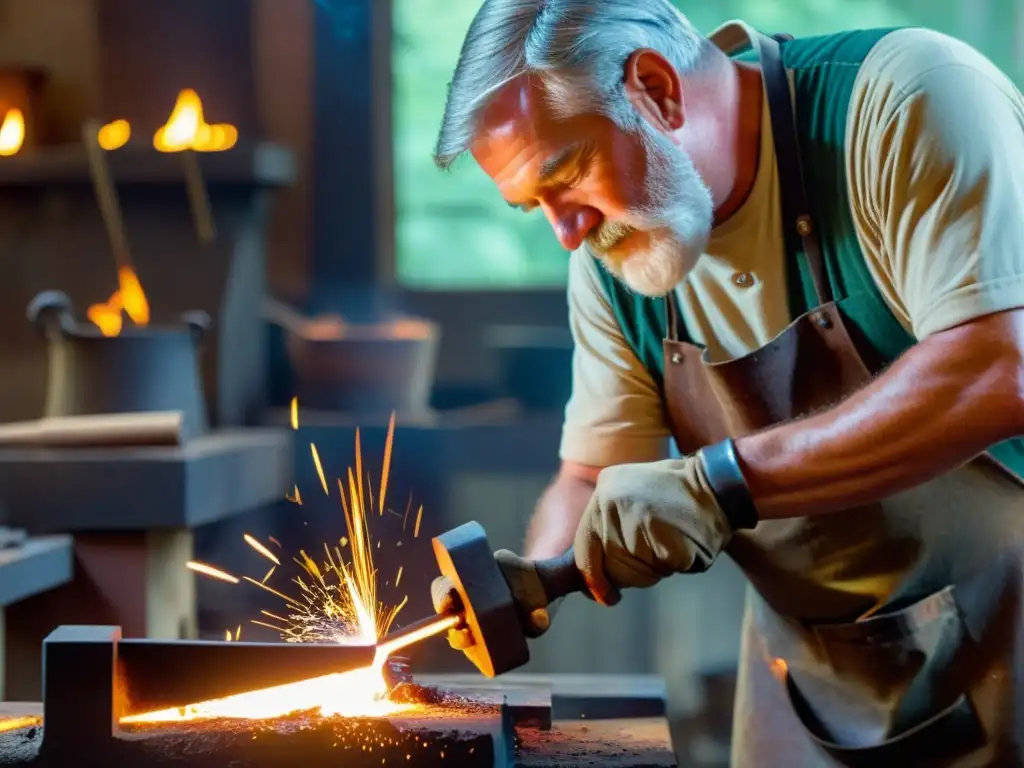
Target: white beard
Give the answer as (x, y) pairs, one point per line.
(677, 215)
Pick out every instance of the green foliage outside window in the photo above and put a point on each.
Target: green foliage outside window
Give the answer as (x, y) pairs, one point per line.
(453, 229)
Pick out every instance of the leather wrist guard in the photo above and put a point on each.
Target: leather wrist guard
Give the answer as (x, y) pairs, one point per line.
(722, 469)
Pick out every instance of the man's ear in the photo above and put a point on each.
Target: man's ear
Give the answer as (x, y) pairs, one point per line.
(655, 90)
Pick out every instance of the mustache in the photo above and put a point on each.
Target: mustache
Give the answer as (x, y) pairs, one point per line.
(609, 235)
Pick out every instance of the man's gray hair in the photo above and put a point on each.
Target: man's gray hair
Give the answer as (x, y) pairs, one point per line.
(578, 48)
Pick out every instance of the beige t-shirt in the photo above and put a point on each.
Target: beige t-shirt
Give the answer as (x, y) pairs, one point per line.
(935, 167)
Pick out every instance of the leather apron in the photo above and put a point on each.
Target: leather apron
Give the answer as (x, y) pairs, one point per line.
(888, 634)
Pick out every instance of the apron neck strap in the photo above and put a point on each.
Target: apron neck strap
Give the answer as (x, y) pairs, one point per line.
(671, 317)
(796, 210)
(796, 216)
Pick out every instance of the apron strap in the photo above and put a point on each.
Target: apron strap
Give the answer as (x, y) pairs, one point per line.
(671, 316)
(795, 206)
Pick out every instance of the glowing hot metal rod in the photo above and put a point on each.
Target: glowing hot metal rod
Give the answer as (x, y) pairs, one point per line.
(487, 607)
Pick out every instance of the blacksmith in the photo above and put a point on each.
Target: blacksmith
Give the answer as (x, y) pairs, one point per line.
(804, 261)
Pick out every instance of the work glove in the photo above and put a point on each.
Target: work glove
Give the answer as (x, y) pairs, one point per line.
(648, 521)
(527, 592)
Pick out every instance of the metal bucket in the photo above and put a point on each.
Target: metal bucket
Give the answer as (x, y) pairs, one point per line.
(141, 369)
(369, 375)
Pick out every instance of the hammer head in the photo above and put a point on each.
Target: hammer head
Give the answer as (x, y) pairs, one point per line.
(466, 559)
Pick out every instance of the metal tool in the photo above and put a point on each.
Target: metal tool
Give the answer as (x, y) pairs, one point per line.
(89, 669)
(487, 604)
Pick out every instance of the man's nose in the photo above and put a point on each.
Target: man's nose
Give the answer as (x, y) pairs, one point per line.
(572, 225)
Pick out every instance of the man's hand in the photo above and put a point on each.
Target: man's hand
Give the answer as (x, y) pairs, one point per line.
(647, 521)
(527, 593)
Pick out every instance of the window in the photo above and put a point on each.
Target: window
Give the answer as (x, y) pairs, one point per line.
(455, 232)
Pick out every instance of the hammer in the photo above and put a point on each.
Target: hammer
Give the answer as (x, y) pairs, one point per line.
(486, 592)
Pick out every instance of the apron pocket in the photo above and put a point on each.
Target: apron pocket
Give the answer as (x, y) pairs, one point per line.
(890, 686)
(952, 732)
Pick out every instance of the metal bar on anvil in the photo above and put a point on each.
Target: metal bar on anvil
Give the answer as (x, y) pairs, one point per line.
(138, 675)
(159, 674)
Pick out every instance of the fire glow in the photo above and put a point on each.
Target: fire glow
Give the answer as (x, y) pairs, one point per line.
(336, 602)
(187, 128)
(12, 132)
(129, 298)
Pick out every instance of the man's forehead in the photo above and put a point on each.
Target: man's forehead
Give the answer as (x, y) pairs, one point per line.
(520, 107)
(520, 116)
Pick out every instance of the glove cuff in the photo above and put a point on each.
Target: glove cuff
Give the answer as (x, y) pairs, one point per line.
(724, 475)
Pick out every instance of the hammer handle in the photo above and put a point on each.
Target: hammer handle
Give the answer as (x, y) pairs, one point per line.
(560, 576)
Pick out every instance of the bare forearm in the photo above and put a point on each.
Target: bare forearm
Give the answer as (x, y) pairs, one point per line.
(554, 522)
(944, 402)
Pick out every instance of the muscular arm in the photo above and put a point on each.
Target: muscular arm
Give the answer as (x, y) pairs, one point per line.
(940, 405)
(559, 510)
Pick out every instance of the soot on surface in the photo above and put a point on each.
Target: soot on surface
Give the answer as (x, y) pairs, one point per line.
(442, 729)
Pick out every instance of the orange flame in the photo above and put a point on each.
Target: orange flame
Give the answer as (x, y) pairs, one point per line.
(17, 723)
(129, 297)
(114, 135)
(12, 132)
(186, 128)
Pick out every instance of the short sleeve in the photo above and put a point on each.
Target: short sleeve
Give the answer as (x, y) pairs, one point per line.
(937, 180)
(614, 415)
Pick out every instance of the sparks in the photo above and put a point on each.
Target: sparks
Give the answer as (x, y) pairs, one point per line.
(295, 413)
(209, 570)
(333, 599)
(252, 542)
(419, 519)
(387, 461)
(320, 468)
(405, 517)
